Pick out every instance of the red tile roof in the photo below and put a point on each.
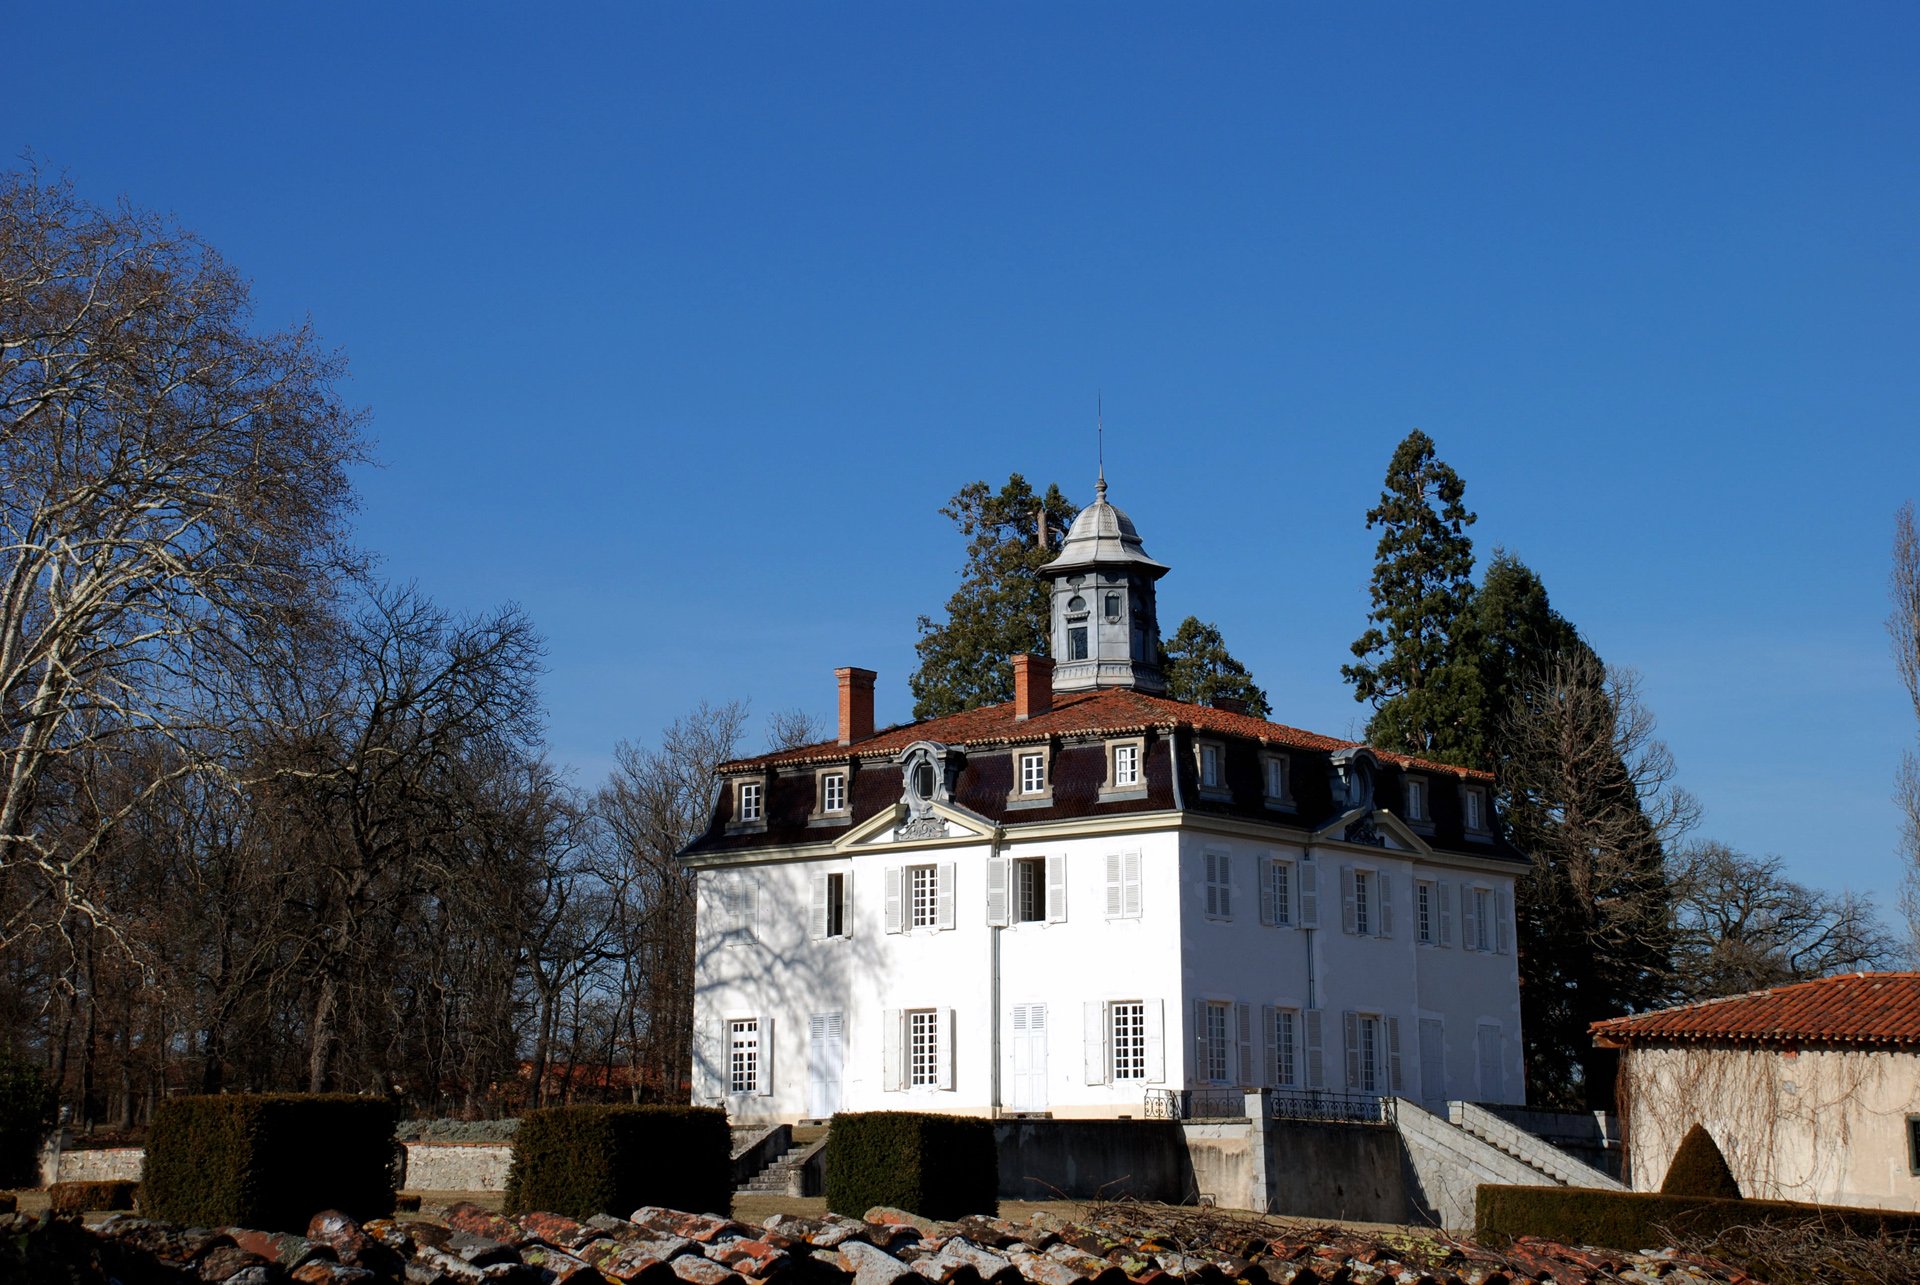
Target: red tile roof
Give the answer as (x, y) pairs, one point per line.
(1853, 1008)
(1107, 711)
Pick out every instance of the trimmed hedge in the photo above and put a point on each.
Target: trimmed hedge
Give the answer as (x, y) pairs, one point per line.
(85, 1197)
(937, 1166)
(1700, 1169)
(586, 1160)
(1643, 1219)
(268, 1161)
(27, 1114)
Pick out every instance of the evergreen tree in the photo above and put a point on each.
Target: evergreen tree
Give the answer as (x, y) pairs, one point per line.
(1424, 703)
(1200, 669)
(1002, 607)
(1506, 638)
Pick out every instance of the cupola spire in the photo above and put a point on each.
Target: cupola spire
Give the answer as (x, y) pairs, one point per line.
(1106, 632)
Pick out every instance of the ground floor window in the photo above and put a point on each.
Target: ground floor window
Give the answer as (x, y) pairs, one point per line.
(1219, 1043)
(1129, 1040)
(743, 1055)
(923, 1048)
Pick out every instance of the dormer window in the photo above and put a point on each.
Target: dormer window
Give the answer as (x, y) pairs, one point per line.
(1475, 808)
(829, 795)
(1416, 796)
(752, 801)
(1126, 765)
(1276, 772)
(1213, 772)
(1033, 773)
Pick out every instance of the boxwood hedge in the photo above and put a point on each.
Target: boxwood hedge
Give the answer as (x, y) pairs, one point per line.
(586, 1160)
(938, 1166)
(1643, 1219)
(268, 1161)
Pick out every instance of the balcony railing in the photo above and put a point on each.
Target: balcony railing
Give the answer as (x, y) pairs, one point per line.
(1281, 1104)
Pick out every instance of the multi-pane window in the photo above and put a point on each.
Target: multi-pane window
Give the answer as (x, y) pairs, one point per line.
(750, 800)
(1030, 890)
(1128, 1040)
(1276, 777)
(1033, 773)
(833, 792)
(1219, 885)
(836, 908)
(1483, 926)
(923, 897)
(1126, 765)
(1219, 1043)
(1286, 1071)
(1077, 643)
(1212, 768)
(743, 1055)
(1416, 799)
(1363, 902)
(923, 1048)
(1369, 1053)
(1476, 809)
(1423, 909)
(1280, 891)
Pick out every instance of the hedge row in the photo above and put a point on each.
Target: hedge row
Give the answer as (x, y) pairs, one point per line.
(1638, 1219)
(85, 1197)
(586, 1160)
(269, 1161)
(938, 1166)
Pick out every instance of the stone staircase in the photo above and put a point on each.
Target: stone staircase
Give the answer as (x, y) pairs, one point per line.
(1535, 1153)
(782, 1175)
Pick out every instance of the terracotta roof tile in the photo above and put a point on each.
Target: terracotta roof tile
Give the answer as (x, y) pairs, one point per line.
(1110, 710)
(1853, 1008)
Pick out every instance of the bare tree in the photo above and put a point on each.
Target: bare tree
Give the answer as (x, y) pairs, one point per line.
(791, 728)
(1740, 924)
(171, 484)
(1904, 626)
(654, 804)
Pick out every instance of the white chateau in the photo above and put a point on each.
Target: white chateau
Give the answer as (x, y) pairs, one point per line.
(1078, 901)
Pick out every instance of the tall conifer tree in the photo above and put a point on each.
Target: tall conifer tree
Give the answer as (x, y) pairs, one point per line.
(1424, 700)
(1200, 669)
(1002, 607)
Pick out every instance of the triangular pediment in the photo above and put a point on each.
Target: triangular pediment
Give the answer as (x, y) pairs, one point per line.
(1392, 833)
(944, 824)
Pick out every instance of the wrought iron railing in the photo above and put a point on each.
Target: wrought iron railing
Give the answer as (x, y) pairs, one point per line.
(1282, 1104)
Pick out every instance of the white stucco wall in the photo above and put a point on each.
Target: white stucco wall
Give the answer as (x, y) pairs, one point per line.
(1818, 1125)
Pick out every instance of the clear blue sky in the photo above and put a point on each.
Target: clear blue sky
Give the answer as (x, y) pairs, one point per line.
(679, 322)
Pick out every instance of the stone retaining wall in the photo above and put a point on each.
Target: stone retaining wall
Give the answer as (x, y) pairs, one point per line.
(457, 1166)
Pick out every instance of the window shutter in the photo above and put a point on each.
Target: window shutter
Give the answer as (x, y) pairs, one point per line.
(943, 895)
(1269, 913)
(846, 903)
(1443, 893)
(1130, 886)
(766, 1057)
(997, 871)
(1156, 1042)
(1469, 919)
(1502, 941)
(817, 920)
(1226, 886)
(750, 909)
(726, 1056)
(1351, 1021)
(1309, 873)
(1316, 1049)
(1383, 881)
(1056, 890)
(894, 1074)
(893, 898)
(946, 1046)
(1269, 1023)
(1116, 902)
(1095, 1044)
(1243, 1015)
(1348, 922)
(1393, 1053)
(1199, 1041)
(1213, 888)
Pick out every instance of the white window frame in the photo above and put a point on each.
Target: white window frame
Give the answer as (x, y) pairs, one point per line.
(1214, 753)
(1366, 902)
(831, 911)
(1218, 1036)
(921, 893)
(1125, 761)
(750, 801)
(1426, 912)
(1127, 1041)
(1218, 869)
(1029, 890)
(749, 1064)
(923, 1048)
(1474, 818)
(1277, 765)
(1280, 881)
(1414, 790)
(827, 782)
(1364, 916)
(1033, 772)
(1283, 1037)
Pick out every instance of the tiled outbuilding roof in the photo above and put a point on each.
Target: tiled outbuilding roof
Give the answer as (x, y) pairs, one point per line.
(1108, 711)
(1881, 1009)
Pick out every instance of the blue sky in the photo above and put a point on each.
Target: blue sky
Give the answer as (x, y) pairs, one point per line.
(678, 323)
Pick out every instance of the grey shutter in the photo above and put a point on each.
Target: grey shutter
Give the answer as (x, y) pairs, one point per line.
(1383, 882)
(997, 871)
(1095, 1042)
(1056, 890)
(765, 1086)
(893, 899)
(1200, 1041)
(1269, 914)
(1348, 922)
(1156, 1042)
(1443, 893)
(1269, 1023)
(817, 919)
(846, 903)
(1130, 886)
(726, 1056)
(1393, 1053)
(1116, 900)
(1350, 1020)
(943, 895)
(1243, 1015)
(894, 1073)
(1502, 941)
(946, 1048)
(1469, 918)
(1309, 873)
(1316, 1049)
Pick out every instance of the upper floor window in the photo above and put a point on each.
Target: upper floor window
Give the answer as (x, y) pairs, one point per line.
(1077, 642)
(1113, 608)
(1363, 902)
(1476, 808)
(1482, 919)
(1278, 787)
(1416, 792)
(1033, 773)
(833, 792)
(1424, 911)
(1030, 890)
(1126, 764)
(1277, 895)
(831, 904)
(1211, 758)
(1365, 907)
(752, 794)
(923, 897)
(1219, 885)
(1123, 885)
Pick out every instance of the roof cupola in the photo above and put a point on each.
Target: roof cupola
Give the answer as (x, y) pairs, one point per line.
(1105, 629)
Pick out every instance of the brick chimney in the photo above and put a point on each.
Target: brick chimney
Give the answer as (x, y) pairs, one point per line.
(1032, 686)
(856, 703)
